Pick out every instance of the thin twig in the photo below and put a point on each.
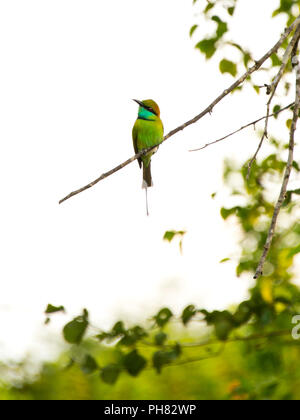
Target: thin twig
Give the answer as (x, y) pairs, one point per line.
(253, 337)
(272, 89)
(208, 343)
(217, 353)
(242, 128)
(222, 348)
(289, 165)
(198, 359)
(265, 135)
(207, 110)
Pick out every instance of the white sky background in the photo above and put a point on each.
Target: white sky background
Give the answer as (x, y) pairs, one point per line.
(69, 70)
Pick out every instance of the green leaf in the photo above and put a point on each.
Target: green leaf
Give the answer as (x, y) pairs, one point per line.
(223, 329)
(222, 26)
(272, 162)
(256, 88)
(103, 336)
(287, 87)
(159, 359)
(138, 332)
(89, 364)
(207, 47)
(275, 60)
(192, 30)
(128, 337)
(53, 309)
(246, 59)
(134, 363)
(74, 331)
(110, 374)
(160, 338)
(296, 166)
(227, 66)
(222, 321)
(230, 10)
(288, 199)
(285, 7)
(288, 196)
(133, 335)
(188, 314)
(162, 358)
(170, 234)
(276, 109)
(118, 329)
(163, 317)
(243, 313)
(208, 7)
(234, 44)
(224, 260)
(225, 213)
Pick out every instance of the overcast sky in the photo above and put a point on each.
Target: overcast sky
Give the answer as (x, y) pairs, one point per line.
(69, 70)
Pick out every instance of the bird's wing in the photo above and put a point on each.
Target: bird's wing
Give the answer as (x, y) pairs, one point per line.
(135, 138)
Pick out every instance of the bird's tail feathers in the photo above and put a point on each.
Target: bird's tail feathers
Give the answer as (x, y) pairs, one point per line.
(147, 178)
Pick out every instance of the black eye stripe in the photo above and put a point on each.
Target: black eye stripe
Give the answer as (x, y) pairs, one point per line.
(151, 110)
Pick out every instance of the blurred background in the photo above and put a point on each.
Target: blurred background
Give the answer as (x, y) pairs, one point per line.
(70, 71)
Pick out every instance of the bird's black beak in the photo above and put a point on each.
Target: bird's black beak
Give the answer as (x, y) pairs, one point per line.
(139, 103)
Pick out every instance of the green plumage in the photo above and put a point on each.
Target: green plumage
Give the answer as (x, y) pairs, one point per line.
(147, 132)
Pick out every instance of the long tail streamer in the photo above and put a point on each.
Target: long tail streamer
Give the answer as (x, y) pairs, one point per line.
(147, 208)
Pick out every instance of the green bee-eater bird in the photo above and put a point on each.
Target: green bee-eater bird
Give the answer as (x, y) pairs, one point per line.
(147, 131)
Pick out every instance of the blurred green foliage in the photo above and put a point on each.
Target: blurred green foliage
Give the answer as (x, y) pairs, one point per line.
(262, 368)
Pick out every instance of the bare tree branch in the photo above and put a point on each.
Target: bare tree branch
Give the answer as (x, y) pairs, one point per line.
(289, 165)
(207, 110)
(207, 343)
(272, 89)
(254, 337)
(242, 128)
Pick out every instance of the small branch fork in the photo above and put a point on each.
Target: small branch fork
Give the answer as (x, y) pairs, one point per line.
(289, 165)
(242, 128)
(207, 110)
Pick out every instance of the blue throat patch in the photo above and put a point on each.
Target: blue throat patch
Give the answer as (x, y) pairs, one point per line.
(144, 114)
